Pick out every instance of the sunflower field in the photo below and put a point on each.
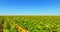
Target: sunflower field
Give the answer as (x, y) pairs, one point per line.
(29, 23)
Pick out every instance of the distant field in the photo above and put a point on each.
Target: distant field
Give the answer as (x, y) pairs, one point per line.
(29, 23)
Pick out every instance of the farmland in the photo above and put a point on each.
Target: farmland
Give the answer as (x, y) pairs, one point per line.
(29, 23)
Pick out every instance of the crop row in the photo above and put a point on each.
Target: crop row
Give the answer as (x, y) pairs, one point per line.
(33, 23)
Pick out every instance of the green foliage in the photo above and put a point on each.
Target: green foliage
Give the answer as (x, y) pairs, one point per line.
(34, 23)
(0, 22)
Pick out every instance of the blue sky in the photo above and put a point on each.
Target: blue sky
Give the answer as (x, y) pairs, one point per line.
(29, 6)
